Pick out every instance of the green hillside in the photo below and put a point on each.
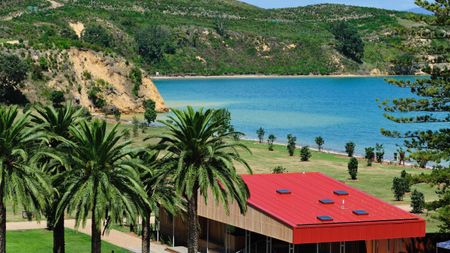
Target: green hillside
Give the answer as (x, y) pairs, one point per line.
(217, 37)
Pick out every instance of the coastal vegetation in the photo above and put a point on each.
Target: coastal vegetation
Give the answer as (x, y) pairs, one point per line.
(58, 161)
(348, 41)
(222, 38)
(428, 103)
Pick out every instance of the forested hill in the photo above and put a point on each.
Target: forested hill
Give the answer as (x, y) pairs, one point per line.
(217, 37)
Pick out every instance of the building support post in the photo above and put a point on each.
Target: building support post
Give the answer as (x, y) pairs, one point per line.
(226, 239)
(173, 231)
(248, 241)
(207, 235)
(342, 247)
(291, 248)
(268, 244)
(317, 248)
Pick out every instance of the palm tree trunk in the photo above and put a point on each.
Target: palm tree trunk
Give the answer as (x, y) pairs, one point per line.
(58, 236)
(96, 234)
(193, 232)
(2, 224)
(146, 233)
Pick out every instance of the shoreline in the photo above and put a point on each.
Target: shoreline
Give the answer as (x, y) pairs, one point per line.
(261, 76)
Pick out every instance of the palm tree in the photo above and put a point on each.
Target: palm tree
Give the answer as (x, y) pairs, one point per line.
(20, 182)
(160, 192)
(103, 180)
(204, 157)
(56, 123)
(319, 141)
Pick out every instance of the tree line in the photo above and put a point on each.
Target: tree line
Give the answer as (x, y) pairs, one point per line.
(58, 161)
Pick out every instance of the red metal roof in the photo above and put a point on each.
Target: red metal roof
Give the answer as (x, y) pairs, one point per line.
(300, 209)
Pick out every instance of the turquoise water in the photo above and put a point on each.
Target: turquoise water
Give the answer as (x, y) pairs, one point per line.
(338, 109)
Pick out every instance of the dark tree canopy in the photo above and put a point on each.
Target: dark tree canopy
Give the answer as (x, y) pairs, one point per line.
(150, 111)
(429, 104)
(153, 42)
(97, 35)
(348, 41)
(57, 98)
(13, 71)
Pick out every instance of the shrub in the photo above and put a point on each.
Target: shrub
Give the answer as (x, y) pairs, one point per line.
(291, 144)
(408, 179)
(270, 141)
(97, 35)
(353, 168)
(136, 79)
(260, 132)
(150, 111)
(417, 202)
(86, 75)
(153, 42)
(57, 98)
(36, 72)
(350, 148)
(370, 155)
(219, 26)
(305, 154)
(399, 188)
(93, 95)
(319, 141)
(13, 71)
(279, 170)
(405, 64)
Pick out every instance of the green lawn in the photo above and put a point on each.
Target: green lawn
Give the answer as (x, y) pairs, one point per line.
(40, 241)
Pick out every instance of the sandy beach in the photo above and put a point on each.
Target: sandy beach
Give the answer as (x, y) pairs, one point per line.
(179, 77)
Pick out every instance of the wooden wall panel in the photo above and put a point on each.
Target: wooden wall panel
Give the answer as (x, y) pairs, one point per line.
(253, 220)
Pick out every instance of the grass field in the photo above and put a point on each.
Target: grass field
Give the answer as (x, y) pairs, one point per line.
(40, 241)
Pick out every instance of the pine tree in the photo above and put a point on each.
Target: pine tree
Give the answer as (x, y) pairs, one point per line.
(429, 103)
(353, 168)
(305, 154)
(417, 202)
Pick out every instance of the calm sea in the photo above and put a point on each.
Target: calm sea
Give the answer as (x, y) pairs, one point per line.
(338, 109)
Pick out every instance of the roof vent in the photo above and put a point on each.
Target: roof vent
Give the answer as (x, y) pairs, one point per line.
(360, 212)
(340, 192)
(326, 201)
(325, 218)
(283, 191)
